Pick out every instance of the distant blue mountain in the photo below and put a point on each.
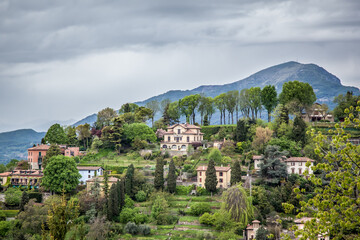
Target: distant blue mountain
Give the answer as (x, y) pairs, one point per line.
(14, 144)
(325, 85)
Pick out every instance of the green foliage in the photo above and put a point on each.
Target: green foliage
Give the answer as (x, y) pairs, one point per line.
(261, 201)
(159, 174)
(215, 155)
(171, 181)
(262, 234)
(345, 102)
(127, 215)
(12, 164)
(128, 202)
(184, 190)
(269, 99)
(104, 117)
(113, 203)
(54, 150)
(273, 170)
(61, 173)
(207, 219)
(223, 220)
(56, 135)
(212, 132)
(235, 173)
(211, 180)
(139, 130)
(5, 227)
(24, 200)
(140, 196)
(200, 208)
(144, 230)
(241, 131)
(13, 196)
(129, 180)
(2, 216)
(286, 145)
(299, 130)
(131, 228)
(238, 204)
(159, 210)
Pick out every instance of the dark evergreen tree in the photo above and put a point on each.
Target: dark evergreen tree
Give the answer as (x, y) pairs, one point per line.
(113, 203)
(235, 173)
(241, 131)
(299, 130)
(121, 193)
(24, 200)
(159, 174)
(171, 181)
(206, 120)
(273, 170)
(261, 234)
(106, 189)
(284, 115)
(211, 180)
(129, 181)
(166, 117)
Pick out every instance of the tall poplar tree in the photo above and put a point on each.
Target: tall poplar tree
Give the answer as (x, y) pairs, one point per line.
(235, 173)
(211, 180)
(171, 181)
(129, 180)
(159, 174)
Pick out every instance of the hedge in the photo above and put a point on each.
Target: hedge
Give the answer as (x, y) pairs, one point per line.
(10, 213)
(214, 129)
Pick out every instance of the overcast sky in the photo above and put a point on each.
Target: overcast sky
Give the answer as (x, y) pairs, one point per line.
(62, 60)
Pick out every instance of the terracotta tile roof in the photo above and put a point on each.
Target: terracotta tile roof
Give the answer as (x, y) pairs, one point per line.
(184, 125)
(298, 159)
(39, 147)
(84, 168)
(257, 157)
(5, 174)
(22, 172)
(218, 169)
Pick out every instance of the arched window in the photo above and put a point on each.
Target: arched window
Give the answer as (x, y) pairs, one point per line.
(164, 146)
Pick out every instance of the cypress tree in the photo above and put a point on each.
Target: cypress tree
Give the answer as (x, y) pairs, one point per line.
(241, 131)
(121, 193)
(106, 190)
(159, 174)
(24, 200)
(166, 117)
(299, 130)
(171, 181)
(235, 173)
(211, 180)
(129, 180)
(113, 203)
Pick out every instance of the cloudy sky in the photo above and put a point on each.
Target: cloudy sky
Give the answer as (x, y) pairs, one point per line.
(64, 60)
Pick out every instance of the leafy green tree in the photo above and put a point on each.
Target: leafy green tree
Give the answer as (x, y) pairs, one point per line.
(154, 105)
(61, 217)
(83, 132)
(231, 100)
(171, 181)
(273, 170)
(121, 193)
(261, 234)
(336, 207)
(241, 131)
(206, 109)
(56, 135)
(128, 107)
(129, 180)
(299, 130)
(2, 168)
(159, 174)
(174, 112)
(139, 130)
(286, 145)
(235, 173)
(159, 207)
(211, 180)
(219, 102)
(238, 204)
(61, 173)
(297, 96)
(343, 102)
(54, 150)
(70, 132)
(104, 117)
(188, 105)
(244, 103)
(269, 99)
(13, 196)
(12, 164)
(261, 200)
(254, 100)
(23, 165)
(24, 200)
(166, 116)
(215, 155)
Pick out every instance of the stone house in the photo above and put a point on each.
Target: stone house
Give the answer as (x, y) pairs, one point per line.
(251, 229)
(297, 165)
(223, 175)
(179, 136)
(89, 172)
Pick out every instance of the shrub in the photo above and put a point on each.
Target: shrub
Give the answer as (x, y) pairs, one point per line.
(2, 216)
(166, 219)
(144, 230)
(116, 228)
(127, 215)
(129, 203)
(187, 167)
(5, 226)
(36, 195)
(184, 190)
(140, 196)
(202, 191)
(13, 196)
(207, 219)
(204, 235)
(141, 218)
(131, 228)
(200, 208)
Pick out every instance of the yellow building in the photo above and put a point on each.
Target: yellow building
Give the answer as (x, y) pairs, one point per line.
(223, 175)
(100, 180)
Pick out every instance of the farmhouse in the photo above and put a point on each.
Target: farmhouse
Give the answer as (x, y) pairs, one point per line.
(223, 175)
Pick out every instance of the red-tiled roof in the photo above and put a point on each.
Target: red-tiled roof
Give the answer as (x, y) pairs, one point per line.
(39, 147)
(87, 168)
(298, 159)
(218, 169)
(5, 174)
(185, 125)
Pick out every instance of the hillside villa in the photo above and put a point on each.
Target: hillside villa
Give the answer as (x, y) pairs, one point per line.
(89, 172)
(317, 113)
(30, 178)
(223, 175)
(179, 136)
(251, 229)
(36, 154)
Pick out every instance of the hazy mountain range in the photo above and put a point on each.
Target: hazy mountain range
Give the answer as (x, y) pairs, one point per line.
(326, 86)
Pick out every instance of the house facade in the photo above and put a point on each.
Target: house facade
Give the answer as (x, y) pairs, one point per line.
(317, 113)
(251, 229)
(30, 178)
(258, 159)
(223, 175)
(179, 136)
(88, 173)
(297, 165)
(37, 153)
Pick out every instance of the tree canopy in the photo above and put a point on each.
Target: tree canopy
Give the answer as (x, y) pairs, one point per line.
(56, 135)
(269, 99)
(139, 130)
(104, 117)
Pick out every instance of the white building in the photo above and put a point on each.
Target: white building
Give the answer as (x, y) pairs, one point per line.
(297, 165)
(300, 223)
(258, 159)
(89, 172)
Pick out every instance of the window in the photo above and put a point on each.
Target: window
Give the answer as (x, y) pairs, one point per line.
(188, 139)
(292, 164)
(300, 170)
(168, 139)
(199, 179)
(220, 174)
(293, 170)
(178, 131)
(220, 180)
(300, 163)
(89, 171)
(200, 173)
(39, 154)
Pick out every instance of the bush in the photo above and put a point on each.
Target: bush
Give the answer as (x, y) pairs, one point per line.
(141, 218)
(131, 228)
(144, 230)
(13, 196)
(116, 228)
(204, 235)
(200, 208)
(129, 203)
(187, 167)
(202, 191)
(36, 195)
(207, 219)
(5, 227)
(2, 216)
(184, 190)
(127, 215)
(166, 219)
(140, 196)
